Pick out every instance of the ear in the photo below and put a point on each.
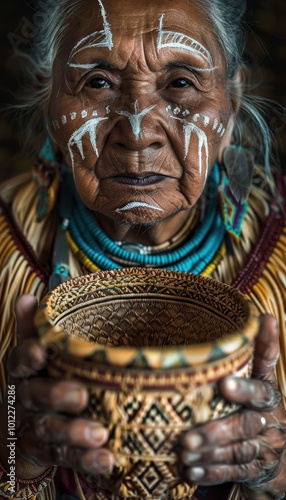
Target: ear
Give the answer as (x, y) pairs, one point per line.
(235, 86)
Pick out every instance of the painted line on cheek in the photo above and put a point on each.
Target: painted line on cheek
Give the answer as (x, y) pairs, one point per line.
(137, 204)
(220, 128)
(206, 121)
(215, 124)
(76, 138)
(189, 128)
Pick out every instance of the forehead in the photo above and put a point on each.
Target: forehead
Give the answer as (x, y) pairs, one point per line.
(137, 19)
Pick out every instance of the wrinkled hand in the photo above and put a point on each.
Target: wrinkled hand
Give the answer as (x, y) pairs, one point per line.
(49, 429)
(249, 446)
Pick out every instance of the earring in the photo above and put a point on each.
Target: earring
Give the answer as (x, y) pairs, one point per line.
(235, 186)
(46, 175)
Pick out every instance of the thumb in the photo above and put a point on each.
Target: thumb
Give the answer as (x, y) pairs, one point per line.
(25, 309)
(266, 349)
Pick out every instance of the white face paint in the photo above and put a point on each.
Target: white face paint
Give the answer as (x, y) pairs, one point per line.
(73, 115)
(84, 114)
(215, 124)
(56, 125)
(172, 39)
(186, 112)
(137, 204)
(220, 128)
(176, 111)
(64, 119)
(206, 121)
(102, 38)
(190, 128)
(196, 117)
(135, 119)
(89, 127)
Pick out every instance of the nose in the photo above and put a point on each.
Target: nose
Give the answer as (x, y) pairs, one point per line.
(138, 128)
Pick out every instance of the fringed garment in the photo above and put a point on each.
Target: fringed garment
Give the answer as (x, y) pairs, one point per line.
(256, 266)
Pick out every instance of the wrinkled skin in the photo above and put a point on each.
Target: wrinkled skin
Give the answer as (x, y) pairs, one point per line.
(150, 167)
(135, 71)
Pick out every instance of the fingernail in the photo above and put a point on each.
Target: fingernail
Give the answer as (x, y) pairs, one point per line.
(197, 473)
(194, 441)
(231, 384)
(188, 457)
(97, 434)
(73, 396)
(104, 462)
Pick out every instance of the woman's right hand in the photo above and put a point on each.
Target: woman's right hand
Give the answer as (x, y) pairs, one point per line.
(48, 425)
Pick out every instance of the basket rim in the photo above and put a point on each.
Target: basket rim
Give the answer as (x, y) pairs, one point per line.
(156, 357)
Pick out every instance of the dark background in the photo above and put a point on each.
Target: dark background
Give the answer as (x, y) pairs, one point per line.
(267, 42)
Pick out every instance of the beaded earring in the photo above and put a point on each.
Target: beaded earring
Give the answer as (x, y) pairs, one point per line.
(46, 175)
(236, 180)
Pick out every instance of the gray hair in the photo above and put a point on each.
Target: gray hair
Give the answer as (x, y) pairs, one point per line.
(225, 18)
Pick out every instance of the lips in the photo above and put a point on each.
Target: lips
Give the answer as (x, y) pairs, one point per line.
(140, 180)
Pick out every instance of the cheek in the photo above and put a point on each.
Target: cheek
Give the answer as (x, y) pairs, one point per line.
(76, 133)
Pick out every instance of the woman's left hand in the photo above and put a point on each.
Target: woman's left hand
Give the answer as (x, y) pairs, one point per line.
(248, 446)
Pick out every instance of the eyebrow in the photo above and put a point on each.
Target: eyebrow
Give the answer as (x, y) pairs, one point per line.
(173, 39)
(94, 65)
(189, 67)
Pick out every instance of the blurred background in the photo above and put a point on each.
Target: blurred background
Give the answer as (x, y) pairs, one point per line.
(266, 41)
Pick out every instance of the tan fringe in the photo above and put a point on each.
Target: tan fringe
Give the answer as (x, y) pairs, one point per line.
(17, 277)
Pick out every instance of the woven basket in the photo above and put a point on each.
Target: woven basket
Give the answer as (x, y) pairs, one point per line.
(150, 345)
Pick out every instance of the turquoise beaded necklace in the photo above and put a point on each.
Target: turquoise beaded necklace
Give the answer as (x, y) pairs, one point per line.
(192, 256)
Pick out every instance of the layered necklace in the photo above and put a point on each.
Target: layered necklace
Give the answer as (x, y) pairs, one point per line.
(195, 250)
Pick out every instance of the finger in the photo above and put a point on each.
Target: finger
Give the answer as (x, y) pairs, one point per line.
(25, 309)
(219, 474)
(251, 393)
(266, 447)
(26, 359)
(91, 461)
(240, 426)
(40, 394)
(72, 432)
(238, 453)
(266, 349)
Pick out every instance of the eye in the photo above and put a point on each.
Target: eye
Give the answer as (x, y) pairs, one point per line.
(97, 82)
(180, 83)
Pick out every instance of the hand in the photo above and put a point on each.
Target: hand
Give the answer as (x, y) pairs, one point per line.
(49, 428)
(248, 446)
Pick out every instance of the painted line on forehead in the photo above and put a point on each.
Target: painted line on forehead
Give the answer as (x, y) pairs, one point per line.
(136, 118)
(102, 38)
(138, 204)
(189, 128)
(172, 39)
(89, 127)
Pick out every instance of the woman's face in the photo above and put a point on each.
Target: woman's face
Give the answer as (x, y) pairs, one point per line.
(139, 108)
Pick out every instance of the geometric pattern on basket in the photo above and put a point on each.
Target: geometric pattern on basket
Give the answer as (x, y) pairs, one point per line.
(144, 427)
(122, 317)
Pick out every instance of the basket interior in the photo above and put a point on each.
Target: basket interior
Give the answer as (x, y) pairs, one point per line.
(136, 315)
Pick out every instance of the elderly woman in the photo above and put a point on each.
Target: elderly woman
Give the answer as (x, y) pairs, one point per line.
(148, 159)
